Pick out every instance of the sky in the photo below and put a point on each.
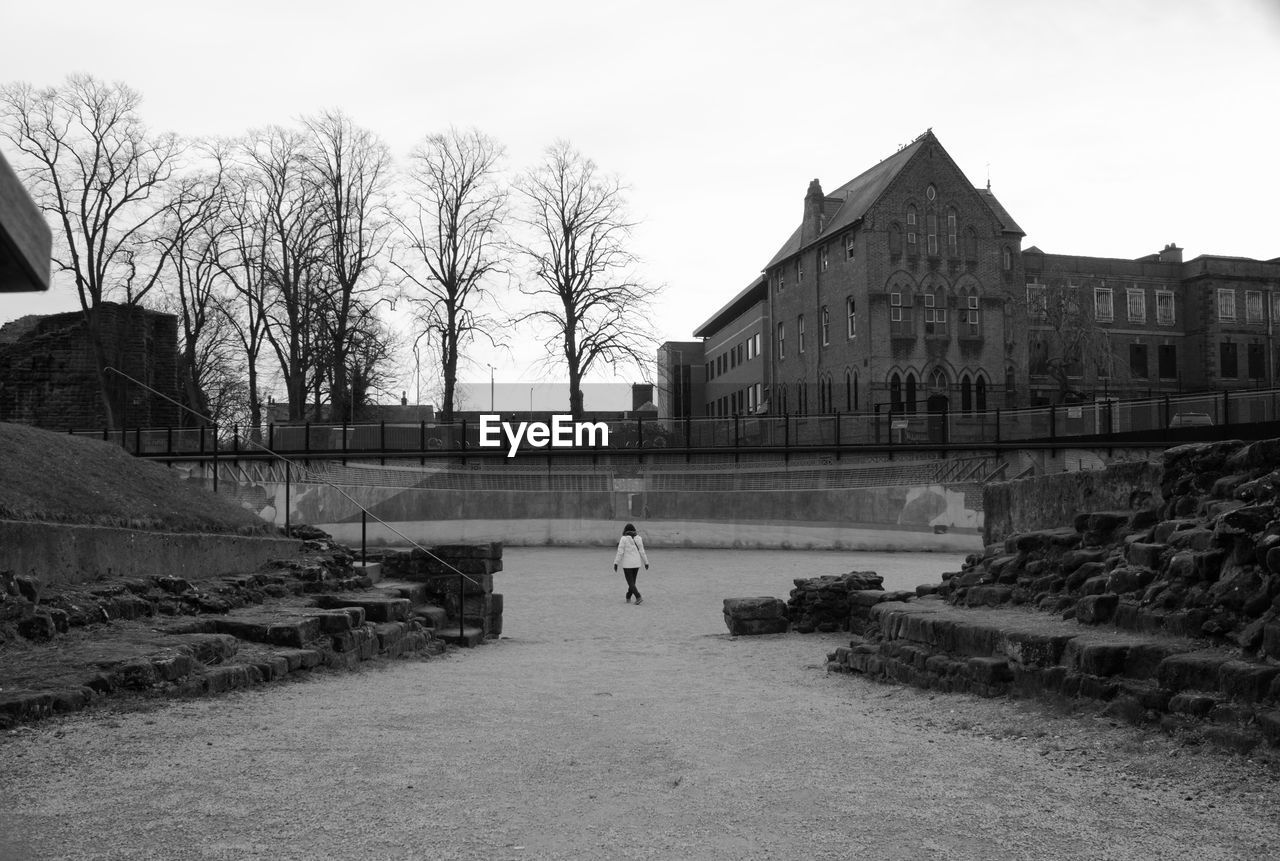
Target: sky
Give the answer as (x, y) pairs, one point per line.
(1105, 128)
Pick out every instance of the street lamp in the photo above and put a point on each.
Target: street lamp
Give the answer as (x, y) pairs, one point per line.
(491, 388)
(531, 400)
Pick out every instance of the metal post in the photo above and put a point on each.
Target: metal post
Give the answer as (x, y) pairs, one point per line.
(364, 522)
(1167, 418)
(271, 437)
(464, 434)
(639, 432)
(837, 428)
(737, 436)
(235, 438)
(786, 431)
(1053, 422)
(877, 423)
(1226, 408)
(202, 439)
(997, 425)
(306, 436)
(215, 458)
(462, 602)
(288, 480)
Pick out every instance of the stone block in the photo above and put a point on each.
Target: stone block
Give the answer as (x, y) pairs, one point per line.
(1033, 649)
(1144, 555)
(1246, 681)
(1103, 659)
(296, 633)
(1195, 705)
(1095, 585)
(1197, 671)
(988, 670)
(1096, 609)
(752, 627)
(1235, 739)
(988, 596)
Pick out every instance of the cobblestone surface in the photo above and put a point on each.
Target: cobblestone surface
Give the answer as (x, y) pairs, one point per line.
(599, 729)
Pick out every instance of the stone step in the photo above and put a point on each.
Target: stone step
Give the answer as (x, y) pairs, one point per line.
(996, 651)
(469, 637)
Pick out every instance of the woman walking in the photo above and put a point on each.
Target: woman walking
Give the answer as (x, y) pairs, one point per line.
(631, 554)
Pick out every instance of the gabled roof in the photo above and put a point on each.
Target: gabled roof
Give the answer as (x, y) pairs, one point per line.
(754, 293)
(858, 194)
(1006, 221)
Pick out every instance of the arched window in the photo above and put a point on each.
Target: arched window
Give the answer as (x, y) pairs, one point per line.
(782, 398)
(895, 393)
(911, 393)
(895, 238)
(931, 232)
(911, 231)
(971, 244)
(1010, 395)
(848, 390)
(966, 394)
(1007, 259)
(855, 391)
(952, 221)
(982, 394)
(935, 310)
(937, 380)
(802, 407)
(831, 407)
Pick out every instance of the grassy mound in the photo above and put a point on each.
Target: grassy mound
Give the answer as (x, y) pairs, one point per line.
(60, 478)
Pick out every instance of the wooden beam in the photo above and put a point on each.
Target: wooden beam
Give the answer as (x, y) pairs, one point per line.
(26, 243)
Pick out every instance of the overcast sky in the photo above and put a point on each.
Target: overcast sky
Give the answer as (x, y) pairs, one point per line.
(1107, 128)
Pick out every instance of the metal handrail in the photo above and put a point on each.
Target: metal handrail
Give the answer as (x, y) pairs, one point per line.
(364, 512)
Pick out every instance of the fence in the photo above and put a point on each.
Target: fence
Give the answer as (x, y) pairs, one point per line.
(1152, 418)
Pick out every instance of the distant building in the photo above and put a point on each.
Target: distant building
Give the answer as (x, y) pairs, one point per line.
(26, 242)
(907, 289)
(681, 385)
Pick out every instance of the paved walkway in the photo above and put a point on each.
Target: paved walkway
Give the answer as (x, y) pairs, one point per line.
(597, 729)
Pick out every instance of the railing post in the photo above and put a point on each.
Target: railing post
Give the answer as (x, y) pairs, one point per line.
(837, 429)
(1053, 422)
(288, 480)
(306, 436)
(463, 440)
(639, 432)
(168, 440)
(235, 438)
(202, 439)
(382, 435)
(997, 425)
(137, 440)
(104, 434)
(271, 436)
(364, 522)
(462, 597)
(877, 423)
(786, 431)
(215, 458)
(737, 431)
(1167, 418)
(1226, 408)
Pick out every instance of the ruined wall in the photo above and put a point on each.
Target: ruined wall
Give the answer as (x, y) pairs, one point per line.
(1048, 501)
(48, 373)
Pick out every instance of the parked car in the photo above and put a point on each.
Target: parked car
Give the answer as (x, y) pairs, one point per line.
(1187, 420)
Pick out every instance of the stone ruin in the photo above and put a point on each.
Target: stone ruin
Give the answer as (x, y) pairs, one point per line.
(1165, 613)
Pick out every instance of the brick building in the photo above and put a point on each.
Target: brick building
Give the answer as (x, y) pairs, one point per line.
(48, 374)
(907, 288)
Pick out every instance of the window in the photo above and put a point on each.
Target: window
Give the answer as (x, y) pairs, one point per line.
(848, 246)
(966, 394)
(1228, 360)
(782, 282)
(1037, 301)
(900, 314)
(782, 340)
(895, 393)
(1252, 306)
(1167, 361)
(982, 394)
(951, 232)
(799, 271)
(1257, 362)
(1138, 360)
(1164, 307)
(759, 397)
(910, 401)
(751, 343)
(911, 230)
(895, 307)
(751, 399)
(1226, 305)
(822, 255)
(935, 314)
(1007, 259)
(931, 229)
(972, 321)
(740, 352)
(733, 358)
(1102, 310)
(757, 340)
(931, 192)
(938, 380)
(971, 244)
(800, 334)
(895, 239)
(851, 318)
(1136, 299)
(826, 326)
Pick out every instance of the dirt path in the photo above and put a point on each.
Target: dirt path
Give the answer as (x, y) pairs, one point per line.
(597, 729)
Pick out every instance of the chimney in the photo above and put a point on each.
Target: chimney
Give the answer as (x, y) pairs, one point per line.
(812, 224)
(1171, 254)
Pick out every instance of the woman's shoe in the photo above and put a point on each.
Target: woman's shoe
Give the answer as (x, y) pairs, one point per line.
(639, 600)
(628, 597)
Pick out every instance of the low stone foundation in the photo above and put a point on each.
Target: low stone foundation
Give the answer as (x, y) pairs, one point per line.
(457, 577)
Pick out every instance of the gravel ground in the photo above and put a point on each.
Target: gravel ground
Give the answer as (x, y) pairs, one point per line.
(598, 729)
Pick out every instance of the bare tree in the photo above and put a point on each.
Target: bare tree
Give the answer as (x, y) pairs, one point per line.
(350, 168)
(1064, 336)
(98, 172)
(582, 268)
(451, 226)
(189, 236)
(279, 252)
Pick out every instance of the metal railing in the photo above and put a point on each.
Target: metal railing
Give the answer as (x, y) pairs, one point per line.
(1151, 418)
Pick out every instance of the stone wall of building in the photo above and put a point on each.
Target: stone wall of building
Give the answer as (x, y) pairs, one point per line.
(48, 372)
